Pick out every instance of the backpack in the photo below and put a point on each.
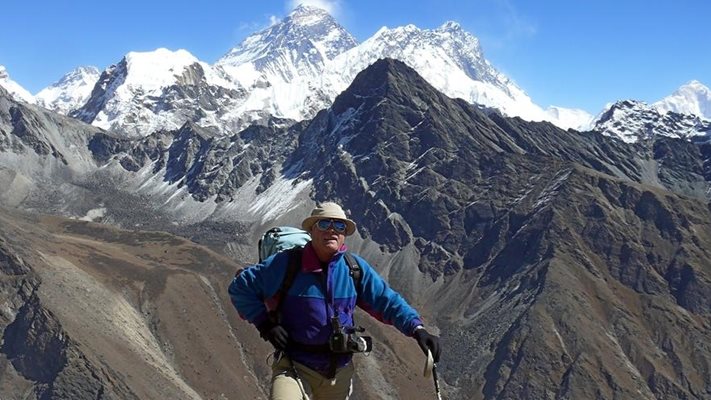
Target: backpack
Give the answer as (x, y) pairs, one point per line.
(281, 238)
(292, 240)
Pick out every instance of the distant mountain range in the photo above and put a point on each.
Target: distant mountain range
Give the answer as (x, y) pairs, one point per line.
(634, 121)
(297, 67)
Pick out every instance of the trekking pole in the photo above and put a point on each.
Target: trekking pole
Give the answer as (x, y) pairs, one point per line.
(281, 354)
(431, 368)
(304, 396)
(436, 381)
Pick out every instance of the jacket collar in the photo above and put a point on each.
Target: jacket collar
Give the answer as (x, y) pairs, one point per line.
(310, 261)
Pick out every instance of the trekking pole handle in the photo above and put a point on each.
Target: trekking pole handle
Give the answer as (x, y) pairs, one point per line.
(429, 365)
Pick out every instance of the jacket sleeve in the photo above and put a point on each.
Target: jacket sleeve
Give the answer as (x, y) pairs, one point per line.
(385, 304)
(253, 288)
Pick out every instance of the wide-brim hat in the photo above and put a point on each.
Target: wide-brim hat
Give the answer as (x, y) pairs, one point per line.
(328, 211)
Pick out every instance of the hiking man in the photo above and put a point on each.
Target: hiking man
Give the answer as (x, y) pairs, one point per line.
(314, 333)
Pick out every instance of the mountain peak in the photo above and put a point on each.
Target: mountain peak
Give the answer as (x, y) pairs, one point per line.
(385, 78)
(307, 33)
(130, 96)
(696, 85)
(450, 59)
(633, 121)
(15, 90)
(397, 32)
(384, 71)
(158, 58)
(280, 62)
(691, 98)
(78, 74)
(306, 14)
(154, 70)
(451, 26)
(71, 91)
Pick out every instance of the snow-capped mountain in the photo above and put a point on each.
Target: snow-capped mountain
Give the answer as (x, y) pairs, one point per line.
(449, 58)
(70, 92)
(691, 98)
(299, 45)
(299, 66)
(291, 70)
(633, 121)
(281, 66)
(162, 89)
(17, 91)
(570, 118)
(272, 73)
(684, 114)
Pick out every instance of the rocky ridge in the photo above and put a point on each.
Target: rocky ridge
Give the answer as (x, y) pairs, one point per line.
(635, 121)
(417, 158)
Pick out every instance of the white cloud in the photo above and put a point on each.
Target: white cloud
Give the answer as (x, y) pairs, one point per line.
(507, 25)
(333, 7)
(516, 23)
(248, 26)
(256, 26)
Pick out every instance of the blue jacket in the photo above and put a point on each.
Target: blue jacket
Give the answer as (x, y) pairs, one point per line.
(307, 307)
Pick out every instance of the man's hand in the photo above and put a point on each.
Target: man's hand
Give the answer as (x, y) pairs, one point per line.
(427, 342)
(274, 334)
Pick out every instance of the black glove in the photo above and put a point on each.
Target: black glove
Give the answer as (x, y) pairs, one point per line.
(427, 341)
(274, 334)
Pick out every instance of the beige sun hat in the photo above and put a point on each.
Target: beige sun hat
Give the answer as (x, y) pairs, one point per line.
(326, 211)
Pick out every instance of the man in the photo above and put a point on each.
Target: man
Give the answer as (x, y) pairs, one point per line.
(318, 305)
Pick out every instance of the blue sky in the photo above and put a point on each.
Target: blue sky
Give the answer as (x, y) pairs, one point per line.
(578, 54)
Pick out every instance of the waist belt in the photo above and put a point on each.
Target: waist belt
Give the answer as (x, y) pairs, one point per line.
(309, 348)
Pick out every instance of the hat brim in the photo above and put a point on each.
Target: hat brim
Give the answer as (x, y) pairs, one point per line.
(309, 222)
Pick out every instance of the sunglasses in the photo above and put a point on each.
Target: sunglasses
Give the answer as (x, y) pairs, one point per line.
(338, 225)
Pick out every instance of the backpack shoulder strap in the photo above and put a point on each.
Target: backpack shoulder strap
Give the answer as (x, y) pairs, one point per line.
(292, 268)
(355, 270)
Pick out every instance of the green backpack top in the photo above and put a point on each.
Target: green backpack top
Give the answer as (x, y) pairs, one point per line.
(281, 238)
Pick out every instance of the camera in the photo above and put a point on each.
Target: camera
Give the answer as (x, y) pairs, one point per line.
(346, 340)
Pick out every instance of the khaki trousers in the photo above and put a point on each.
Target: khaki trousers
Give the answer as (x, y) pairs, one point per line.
(286, 386)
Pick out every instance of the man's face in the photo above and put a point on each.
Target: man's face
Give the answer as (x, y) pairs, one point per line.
(326, 242)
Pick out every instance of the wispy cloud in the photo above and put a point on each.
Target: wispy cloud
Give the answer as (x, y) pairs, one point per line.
(333, 7)
(516, 24)
(255, 26)
(507, 25)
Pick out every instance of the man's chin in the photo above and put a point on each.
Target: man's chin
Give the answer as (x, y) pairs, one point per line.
(331, 244)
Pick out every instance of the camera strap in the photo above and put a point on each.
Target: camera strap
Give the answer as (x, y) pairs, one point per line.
(332, 357)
